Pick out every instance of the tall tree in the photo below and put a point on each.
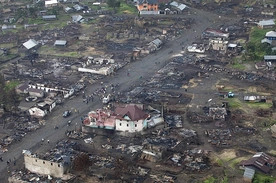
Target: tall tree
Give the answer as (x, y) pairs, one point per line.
(114, 3)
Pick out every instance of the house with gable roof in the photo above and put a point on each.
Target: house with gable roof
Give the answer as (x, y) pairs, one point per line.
(130, 119)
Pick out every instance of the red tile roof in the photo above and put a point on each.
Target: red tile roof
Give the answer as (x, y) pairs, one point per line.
(132, 111)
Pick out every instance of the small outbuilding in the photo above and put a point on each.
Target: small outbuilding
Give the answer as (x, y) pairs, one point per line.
(60, 43)
(49, 17)
(264, 24)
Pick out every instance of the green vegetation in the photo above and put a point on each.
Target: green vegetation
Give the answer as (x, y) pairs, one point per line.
(54, 25)
(10, 85)
(35, 21)
(127, 8)
(8, 57)
(8, 96)
(255, 49)
(259, 105)
(7, 45)
(121, 7)
(238, 66)
(262, 178)
(51, 50)
(219, 162)
(166, 22)
(210, 180)
(234, 103)
(113, 3)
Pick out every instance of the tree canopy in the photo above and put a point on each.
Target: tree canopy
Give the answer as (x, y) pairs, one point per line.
(8, 96)
(114, 3)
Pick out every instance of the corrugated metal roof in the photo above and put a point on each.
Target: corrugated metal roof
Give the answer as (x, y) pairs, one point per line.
(266, 22)
(265, 40)
(271, 34)
(249, 173)
(49, 16)
(270, 57)
(174, 4)
(182, 7)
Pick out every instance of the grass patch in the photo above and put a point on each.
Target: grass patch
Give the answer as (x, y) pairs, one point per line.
(262, 178)
(10, 85)
(4, 58)
(234, 103)
(51, 50)
(209, 180)
(55, 24)
(165, 22)
(255, 49)
(36, 21)
(238, 66)
(127, 8)
(236, 161)
(259, 105)
(257, 34)
(7, 45)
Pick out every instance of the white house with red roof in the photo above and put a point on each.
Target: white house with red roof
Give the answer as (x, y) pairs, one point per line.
(130, 119)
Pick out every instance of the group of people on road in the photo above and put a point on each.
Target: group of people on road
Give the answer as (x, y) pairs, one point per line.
(99, 92)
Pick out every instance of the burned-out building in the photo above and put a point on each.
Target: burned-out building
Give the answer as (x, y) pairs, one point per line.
(218, 44)
(100, 119)
(152, 153)
(218, 113)
(41, 109)
(214, 33)
(46, 167)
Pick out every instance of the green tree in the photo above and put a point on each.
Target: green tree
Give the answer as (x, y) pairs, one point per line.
(114, 3)
(8, 97)
(32, 12)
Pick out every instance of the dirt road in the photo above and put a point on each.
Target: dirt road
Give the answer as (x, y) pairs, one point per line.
(144, 67)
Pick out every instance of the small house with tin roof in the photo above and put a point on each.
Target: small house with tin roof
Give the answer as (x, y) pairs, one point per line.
(264, 24)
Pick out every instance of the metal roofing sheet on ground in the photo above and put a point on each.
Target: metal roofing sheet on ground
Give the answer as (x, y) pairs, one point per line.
(249, 173)
(30, 44)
